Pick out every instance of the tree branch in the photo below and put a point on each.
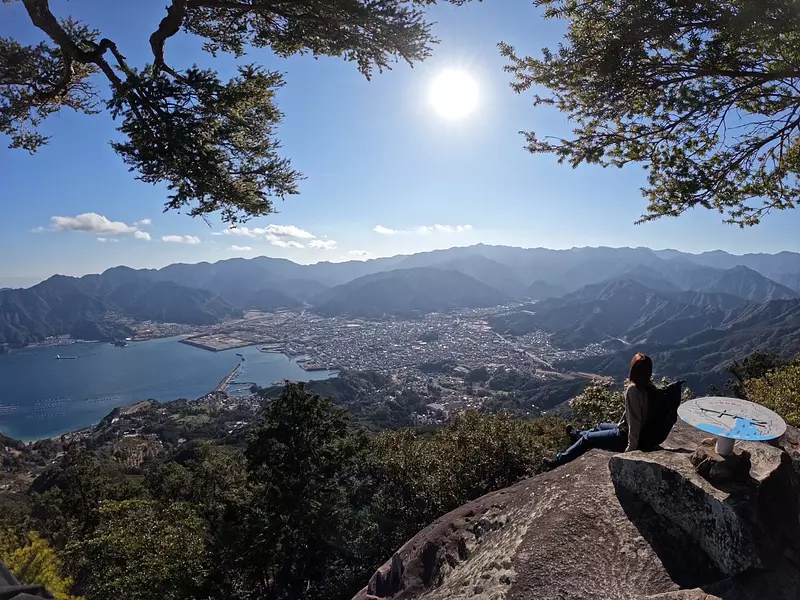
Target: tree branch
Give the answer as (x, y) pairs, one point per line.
(169, 26)
(43, 18)
(225, 4)
(60, 88)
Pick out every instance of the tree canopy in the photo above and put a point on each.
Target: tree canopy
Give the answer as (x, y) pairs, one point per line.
(213, 142)
(703, 93)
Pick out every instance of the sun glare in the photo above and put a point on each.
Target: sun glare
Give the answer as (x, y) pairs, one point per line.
(454, 94)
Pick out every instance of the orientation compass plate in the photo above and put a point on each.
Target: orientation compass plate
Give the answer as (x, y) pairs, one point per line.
(732, 418)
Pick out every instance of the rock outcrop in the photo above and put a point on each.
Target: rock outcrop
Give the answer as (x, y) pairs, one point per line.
(638, 525)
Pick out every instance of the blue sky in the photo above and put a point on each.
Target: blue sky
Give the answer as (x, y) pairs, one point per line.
(375, 153)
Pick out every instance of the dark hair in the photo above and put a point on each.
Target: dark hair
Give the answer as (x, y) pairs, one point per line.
(641, 370)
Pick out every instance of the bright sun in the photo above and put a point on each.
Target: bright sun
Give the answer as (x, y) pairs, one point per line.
(454, 94)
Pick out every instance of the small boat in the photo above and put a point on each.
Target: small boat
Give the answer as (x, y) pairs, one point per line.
(59, 357)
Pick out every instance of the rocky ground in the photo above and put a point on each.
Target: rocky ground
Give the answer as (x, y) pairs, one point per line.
(632, 526)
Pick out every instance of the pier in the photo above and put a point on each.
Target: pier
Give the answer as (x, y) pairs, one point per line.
(223, 385)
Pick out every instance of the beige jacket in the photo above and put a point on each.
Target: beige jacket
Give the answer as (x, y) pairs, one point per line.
(635, 414)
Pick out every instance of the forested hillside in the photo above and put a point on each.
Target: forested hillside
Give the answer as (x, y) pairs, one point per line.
(300, 502)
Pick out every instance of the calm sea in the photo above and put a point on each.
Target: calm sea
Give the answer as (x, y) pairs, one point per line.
(41, 396)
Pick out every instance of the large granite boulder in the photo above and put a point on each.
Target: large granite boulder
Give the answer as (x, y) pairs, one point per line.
(738, 523)
(603, 527)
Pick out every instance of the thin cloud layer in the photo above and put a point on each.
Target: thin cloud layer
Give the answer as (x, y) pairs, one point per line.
(445, 228)
(181, 239)
(285, 244)
(236, 248)
(141, 235)
(281, 236)
(323, 244)
(103, 240)
(438, 228)
(270, 232)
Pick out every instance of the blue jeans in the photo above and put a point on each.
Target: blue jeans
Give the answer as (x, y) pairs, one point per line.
(606, 436)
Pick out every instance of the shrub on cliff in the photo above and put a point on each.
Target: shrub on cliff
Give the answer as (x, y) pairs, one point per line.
(779, 390)
(598, 403)
(418, 478)
(34, 562)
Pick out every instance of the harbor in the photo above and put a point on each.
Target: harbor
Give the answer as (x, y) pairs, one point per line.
(222, 386)
(104, 377)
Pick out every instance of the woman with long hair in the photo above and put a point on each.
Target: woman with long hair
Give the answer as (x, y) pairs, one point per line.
(625, 434)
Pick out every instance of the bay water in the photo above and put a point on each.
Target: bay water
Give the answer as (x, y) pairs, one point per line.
(41, 396)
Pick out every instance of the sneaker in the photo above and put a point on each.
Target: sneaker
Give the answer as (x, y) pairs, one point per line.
(550, 463)
(573, 433)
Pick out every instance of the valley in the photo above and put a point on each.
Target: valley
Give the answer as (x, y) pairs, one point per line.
(553, 316)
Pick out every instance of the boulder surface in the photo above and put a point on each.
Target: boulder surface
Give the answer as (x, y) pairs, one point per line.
(633, 526)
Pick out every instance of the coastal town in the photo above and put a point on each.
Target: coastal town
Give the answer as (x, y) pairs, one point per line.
(389, 345)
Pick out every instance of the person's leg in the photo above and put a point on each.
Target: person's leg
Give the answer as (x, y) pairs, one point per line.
(606, 426)
(574, 451)
(607, 439)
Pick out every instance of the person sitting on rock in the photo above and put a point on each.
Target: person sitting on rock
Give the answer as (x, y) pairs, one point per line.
(625, 434)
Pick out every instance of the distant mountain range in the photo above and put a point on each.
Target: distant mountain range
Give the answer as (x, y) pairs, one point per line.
(689, 334)
(90, 307)
(408, 292)
(617, 296)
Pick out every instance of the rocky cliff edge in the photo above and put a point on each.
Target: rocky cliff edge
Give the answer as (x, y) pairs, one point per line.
(678, 524)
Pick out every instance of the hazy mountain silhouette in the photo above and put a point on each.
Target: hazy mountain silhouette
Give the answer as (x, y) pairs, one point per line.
(678, 294)
(407, 292)
(89, 307)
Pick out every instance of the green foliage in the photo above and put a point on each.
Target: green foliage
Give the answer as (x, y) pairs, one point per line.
(422, 477)
(302, 460)
(34, 562)
(778, 390)
(702, 93)
(753, 366)
(67, 498)
(39, 80)
(209, 477)
(598, 403)
(212, 142)
(141, 550)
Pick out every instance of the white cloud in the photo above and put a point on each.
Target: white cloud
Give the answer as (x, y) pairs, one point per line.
(144, 223)
(270, 232)
(181, 239)
(90, 223)
(359, 253)
(236, 248)
(423, 229)
(141, 235)
(289, 231)
(323, 244)
(103, 240)
(445, 228)
(283, 244)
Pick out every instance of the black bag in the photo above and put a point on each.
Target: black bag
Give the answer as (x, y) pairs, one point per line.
(662, 413)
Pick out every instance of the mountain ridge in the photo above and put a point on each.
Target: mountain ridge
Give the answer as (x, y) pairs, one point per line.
(687, 293)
